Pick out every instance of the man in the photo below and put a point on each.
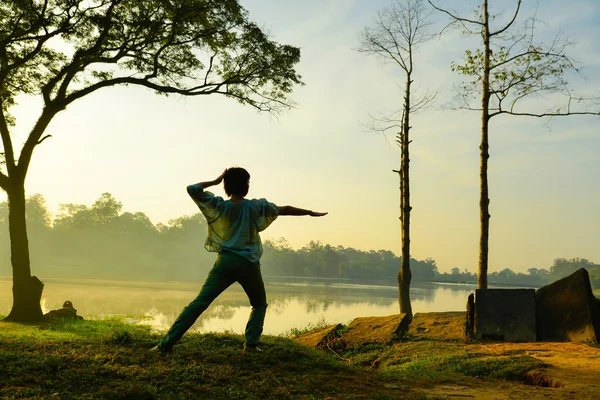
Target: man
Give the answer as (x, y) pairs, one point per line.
(233, 232)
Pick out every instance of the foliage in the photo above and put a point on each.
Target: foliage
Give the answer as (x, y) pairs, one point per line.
(513, 77)
(519, 67)
(101, 241)
(64, 50)
(563, 267)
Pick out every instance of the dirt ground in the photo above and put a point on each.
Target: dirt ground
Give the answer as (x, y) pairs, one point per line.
(574, 371)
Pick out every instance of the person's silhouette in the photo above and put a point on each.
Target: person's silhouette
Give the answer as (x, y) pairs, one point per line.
(233, 232)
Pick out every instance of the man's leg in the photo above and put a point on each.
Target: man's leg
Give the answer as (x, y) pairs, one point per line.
(251, 280)
(218, 279)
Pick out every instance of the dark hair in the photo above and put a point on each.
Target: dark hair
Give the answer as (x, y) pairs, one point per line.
(236, 181)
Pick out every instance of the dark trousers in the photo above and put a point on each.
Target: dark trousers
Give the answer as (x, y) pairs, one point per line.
(228, 268)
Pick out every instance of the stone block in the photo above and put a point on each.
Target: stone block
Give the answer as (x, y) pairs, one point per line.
(446, 326)
(505, 314)
(365, 330)
(319, 338)
(567, 310)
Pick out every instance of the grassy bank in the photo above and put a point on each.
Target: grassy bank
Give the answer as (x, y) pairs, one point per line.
(109, 360)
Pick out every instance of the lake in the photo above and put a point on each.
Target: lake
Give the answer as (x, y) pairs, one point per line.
(292, 303)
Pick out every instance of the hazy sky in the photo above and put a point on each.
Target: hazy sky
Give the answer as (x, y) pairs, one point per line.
(544, 179)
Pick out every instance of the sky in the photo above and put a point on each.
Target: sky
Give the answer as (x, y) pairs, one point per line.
(544, 176)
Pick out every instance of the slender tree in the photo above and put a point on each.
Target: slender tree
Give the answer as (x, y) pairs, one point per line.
(510, 67)
(394, 36)
(63, 50)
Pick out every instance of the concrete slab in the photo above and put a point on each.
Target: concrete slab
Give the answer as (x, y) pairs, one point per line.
(567, 310)
(505, 315)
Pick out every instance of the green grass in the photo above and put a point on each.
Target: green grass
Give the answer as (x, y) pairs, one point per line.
(320, 324)
(424, 362)
(108, 359)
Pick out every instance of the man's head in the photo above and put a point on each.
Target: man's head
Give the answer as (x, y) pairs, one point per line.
(236, 181)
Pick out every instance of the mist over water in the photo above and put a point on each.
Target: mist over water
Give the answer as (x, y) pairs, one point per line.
(292, 303)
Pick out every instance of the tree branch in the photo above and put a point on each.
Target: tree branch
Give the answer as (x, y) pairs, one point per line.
(526, 53)
(41, 41)
(381, 49)
(158, 45)
(76, 64)
(6, 140)
(204, 89)
(42, 139)
(455, 17)
(4, 181)
(510, 23)
(541, 115)
(34, 138)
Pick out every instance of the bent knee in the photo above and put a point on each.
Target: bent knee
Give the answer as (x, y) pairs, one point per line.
(259, 306)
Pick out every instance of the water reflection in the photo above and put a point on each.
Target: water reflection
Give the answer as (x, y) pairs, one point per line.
(292, 304)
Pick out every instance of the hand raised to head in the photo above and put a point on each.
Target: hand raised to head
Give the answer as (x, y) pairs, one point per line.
(220, 178)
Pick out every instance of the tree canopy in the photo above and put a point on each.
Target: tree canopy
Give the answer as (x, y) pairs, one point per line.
(65, 49)
(62, 50)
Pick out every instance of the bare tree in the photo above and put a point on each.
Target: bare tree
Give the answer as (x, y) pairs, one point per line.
(63, 50)
(394, 37)
(509, 68)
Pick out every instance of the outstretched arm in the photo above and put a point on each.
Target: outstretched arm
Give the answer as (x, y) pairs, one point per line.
(289, 210)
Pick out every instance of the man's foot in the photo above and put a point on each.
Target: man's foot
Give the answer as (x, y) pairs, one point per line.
(160, 350)
(252, 348)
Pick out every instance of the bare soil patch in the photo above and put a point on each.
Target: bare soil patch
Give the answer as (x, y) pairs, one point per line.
(573, 370)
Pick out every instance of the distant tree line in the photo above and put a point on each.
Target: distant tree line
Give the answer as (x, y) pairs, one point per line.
(337, 262)
(100, 241)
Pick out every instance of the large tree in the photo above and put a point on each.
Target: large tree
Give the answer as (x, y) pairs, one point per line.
(508, 68)
(395, 35)
(63, 50)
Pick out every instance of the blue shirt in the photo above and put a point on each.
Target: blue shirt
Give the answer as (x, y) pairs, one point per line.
(234, 227)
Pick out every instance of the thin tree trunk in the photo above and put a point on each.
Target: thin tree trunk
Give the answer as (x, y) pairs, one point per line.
(27, 289)
(484, 200)
(404, 276)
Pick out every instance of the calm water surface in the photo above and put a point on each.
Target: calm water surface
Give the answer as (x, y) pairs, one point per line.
(292, 304)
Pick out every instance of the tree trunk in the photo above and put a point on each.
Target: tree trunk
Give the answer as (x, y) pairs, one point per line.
(404, 276)
(27, 289)
(484, 200)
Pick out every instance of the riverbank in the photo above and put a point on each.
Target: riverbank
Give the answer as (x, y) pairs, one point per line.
(109, 359)
(292, 305)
